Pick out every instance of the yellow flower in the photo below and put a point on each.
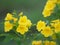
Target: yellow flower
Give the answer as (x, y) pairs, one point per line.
(49, 7)
(22, 29)
(24, 21)
(37, 43)
(46, 13)
(7, 26)
(9, 16)
(58, 1)
(52, 43)
(57, 27)
(29, 23)
(49, 42)
(46, 42)
(40, 25)
(46, 31)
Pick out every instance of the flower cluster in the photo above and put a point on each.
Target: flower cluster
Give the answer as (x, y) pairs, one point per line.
(46, 42)
(48, 30)
(56, 25)
(49, 7)
(23, 23)
(45, 30)
(8, 25)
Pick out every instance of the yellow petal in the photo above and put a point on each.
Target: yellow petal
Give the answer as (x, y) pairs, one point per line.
(40, 25)
(9, 16)
(22, 29)
(37, 43)
(46, 31)
(7, 26)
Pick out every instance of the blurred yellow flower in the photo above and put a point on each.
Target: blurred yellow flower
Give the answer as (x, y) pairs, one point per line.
(49, 42)
(37, 43)
(46, 13)
(40, 25)
(7, 26)
(29, 23)
(58, 1)
(24, 21)
(52, 43)
(22, 29)
(46, 42)
(46, 31)
(9, 16)
(56, 25)
(49, 7)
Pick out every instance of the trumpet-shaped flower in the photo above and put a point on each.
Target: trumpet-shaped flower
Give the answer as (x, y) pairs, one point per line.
(24, 21)
(46, 13)
(40, 25)
(22, 29)
(56, 25)
(49, 42)
(37, 43)
(7, 26)
(46, 31)
(9, 16)
(49, 7)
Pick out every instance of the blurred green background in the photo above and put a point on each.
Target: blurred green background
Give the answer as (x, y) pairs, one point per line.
(31, 8)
